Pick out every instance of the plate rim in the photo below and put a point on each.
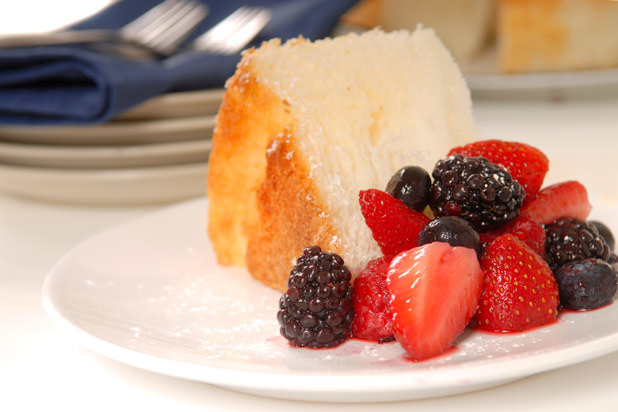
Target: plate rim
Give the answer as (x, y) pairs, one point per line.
(114, 132)
(111, 187)
(103, 156)
(541, 80)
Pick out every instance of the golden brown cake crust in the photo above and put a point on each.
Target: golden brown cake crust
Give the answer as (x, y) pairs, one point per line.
(291, 216)
(263, 207)
(249, 118)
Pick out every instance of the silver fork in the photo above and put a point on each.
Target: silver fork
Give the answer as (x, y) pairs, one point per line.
(156, 33)
(234, 32)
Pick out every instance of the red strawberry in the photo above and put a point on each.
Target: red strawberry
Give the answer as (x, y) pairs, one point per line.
(394, 225)
(524, 229)
(526, 164)
(373, 319)
(435, 291)
(520, 289)
(567, 199)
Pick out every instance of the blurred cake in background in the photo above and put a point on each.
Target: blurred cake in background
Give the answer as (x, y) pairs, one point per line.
(464, 26)
(508, 36)
(556, 35)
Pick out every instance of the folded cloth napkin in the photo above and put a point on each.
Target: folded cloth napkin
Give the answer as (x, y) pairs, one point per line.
(74, 85)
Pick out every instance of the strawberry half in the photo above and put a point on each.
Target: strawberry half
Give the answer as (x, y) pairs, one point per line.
(393, 224)
(520, 290)
(373, 319)
(567, 199)
(435, 291)
(526, 164)
(524, 229)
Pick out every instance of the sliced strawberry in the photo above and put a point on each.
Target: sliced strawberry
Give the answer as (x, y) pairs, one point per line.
(373, 319)
(435, 291)
(524, 229)
(520, 290)
(567, 199)
(394, 225)
(526, 164)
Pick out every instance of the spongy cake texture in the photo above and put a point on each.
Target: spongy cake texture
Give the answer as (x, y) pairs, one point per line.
(305, 126)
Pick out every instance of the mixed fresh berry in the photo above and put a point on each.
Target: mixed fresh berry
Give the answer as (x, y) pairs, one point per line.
(566, 199)
(435, 291)
(411, 185)
(316, 311)
(373, 319)
(452, 230)
(394, 225)
(586, 284)
(476, 190)
(526, 164)
(495, 250)
(605, 233)
(524, 229)
(568, 239)
(520, 290)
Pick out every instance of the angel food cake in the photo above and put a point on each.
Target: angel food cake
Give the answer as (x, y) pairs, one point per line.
(304, 126)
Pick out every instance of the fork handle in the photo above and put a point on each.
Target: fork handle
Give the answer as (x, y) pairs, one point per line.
(59, 38)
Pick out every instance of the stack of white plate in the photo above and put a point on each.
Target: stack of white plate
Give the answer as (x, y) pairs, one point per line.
(154, 153)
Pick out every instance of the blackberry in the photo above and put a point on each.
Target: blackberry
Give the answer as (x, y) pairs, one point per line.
(569, 239)
(452, 230)
(410, 184)
(476, 190)
(316, 311)
(586, 284)
(605, 233)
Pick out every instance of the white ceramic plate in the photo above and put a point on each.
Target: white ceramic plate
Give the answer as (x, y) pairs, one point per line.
(150, 294)
(185, 104)
(116, 132)
(483, 77)
(97, 157)
(542, 81)
(132, 186)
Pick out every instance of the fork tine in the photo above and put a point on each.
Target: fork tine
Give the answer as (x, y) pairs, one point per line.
(171, 17)
(149, 18)
(246, 32)
(175, 35)
(234, 32)
(222, 30)
(177, 26)
(166, 25)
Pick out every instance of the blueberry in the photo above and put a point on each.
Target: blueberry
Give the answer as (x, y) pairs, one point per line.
(586, 284)
(605, 233)
(452, 230)
(410, 185)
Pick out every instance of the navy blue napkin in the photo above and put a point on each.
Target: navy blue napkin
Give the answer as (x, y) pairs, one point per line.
(74, 85)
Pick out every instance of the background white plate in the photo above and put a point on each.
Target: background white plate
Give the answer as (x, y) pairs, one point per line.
(115, 132)
(91, 157)
(185, 104)
(149, 293)
(132, 186)
(527, 82)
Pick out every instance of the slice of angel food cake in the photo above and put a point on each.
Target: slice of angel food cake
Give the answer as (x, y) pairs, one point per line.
(305, 126)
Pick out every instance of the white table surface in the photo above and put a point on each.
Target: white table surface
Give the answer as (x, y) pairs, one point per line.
(40, 367)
